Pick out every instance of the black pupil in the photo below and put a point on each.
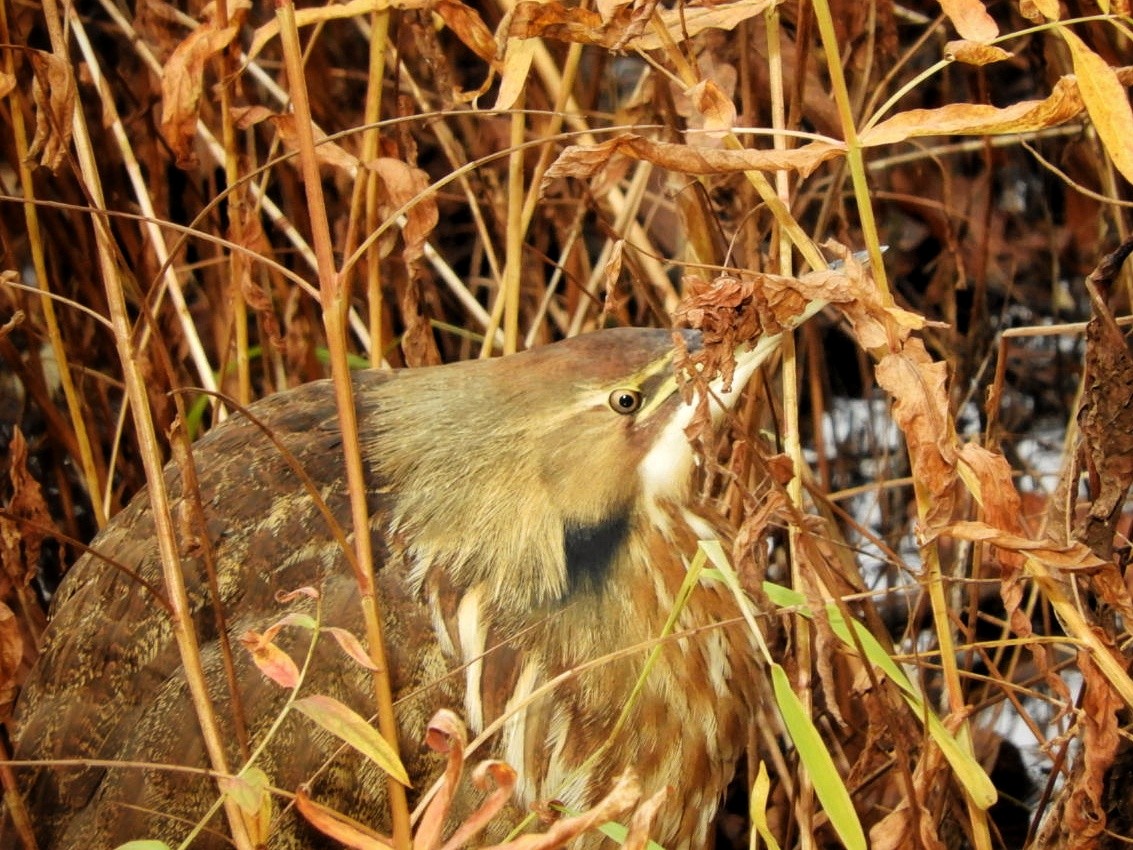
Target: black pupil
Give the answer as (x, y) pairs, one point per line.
(626, 401)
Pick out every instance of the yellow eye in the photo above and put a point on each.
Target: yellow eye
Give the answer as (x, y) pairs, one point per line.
(625, 401)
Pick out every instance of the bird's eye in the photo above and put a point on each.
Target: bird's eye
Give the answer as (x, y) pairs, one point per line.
(625, 401)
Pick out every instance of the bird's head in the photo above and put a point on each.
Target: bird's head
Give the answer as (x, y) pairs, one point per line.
(528, 473)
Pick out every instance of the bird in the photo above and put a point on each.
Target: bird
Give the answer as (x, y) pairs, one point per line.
(531, 515)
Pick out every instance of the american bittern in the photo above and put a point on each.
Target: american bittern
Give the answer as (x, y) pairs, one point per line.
(529, 514)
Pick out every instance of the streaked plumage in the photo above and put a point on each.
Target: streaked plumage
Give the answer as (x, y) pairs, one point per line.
(523, 527)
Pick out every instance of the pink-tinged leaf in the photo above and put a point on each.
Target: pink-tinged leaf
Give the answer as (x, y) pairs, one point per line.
(272, 661)
(302, 620)
(285, 596)
(1106, 100)
(348, 726)
(351, 646)
(339, 827)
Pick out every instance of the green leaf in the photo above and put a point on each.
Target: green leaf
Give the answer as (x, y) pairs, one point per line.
(828, 784)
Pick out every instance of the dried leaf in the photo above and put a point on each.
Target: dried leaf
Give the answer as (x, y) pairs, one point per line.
(445, 734)
(328, 153)
(1063, 104)
(1106, 100)
(920, 408)
(285, 596)
(273, 662)
(467, 25)
(585, 161)
(349, 726)
(518, 56)
(494, 776)
(618, 28)
(715, 106)
(182, 83)
(54, 92)
(625, 794)
(1072, 557)
(975, 52)
(408, 190)
(11, 654)
(971, 19)
(7, 84)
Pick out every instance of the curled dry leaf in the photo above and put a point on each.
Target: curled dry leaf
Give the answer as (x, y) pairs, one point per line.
(917, 385)
(328, 153)
(285, 596)
(467, 25)
(623, 797)
(182, 83)
(54, 93)
(975, 52)
(497, 777)
(11, 654)
(586, 161)
(1063, 104)
(620, 26)
(730, 310)
(445, 734)
(714, 106)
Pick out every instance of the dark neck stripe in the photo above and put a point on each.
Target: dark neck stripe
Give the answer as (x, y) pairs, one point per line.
(591, 550)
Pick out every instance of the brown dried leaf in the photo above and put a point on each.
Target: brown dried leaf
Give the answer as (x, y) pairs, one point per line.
(11, 655)
(1106, 100)
(20, 543)
(404, 185)
(328, 153)
(917, 385)
(182, 83)
(7, 84)
(467, 25)
(1084, 811)
(1072, 557)
(54, 92)
(714, 106)
(1063, 103)
(585, 161)
(975, 52)
(494, 776)
(336, 826)
(620, 27)
(625, 794)
(273, 662)
(971, 19)
(1039, 10)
